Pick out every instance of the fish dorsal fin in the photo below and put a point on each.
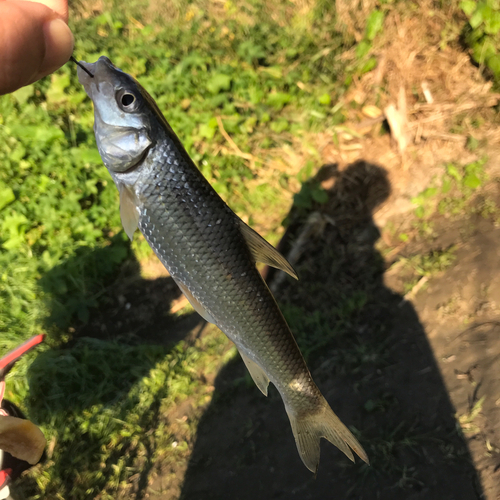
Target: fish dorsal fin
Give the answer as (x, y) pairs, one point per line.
(258, 374)
(196, 305)
(264, 252)
(129, 211)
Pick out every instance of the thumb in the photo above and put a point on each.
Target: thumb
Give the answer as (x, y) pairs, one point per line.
(34, 42)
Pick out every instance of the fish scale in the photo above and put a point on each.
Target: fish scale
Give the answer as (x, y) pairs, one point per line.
(228, 265)
(207, 249)
(261, 319)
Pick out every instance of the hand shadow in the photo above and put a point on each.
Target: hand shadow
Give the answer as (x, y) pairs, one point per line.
(369, 355)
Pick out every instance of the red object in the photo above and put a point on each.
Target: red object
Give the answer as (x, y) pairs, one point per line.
(4, 476)
(7, 362)
(11, 467)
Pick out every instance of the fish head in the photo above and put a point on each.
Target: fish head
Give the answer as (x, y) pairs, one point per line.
(124, 122)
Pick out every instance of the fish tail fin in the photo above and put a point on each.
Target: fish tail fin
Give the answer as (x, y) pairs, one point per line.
(309, 429)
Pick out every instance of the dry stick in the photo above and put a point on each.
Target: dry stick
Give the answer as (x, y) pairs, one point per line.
(398, 120)
(490, 100)
(395, 251)
(441, 111)
(314, 225)
(445, 137)
(237, 150)
(179, 304)
(427, 92)
(411, 294)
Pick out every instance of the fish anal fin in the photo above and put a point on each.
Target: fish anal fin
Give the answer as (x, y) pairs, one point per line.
(129, 211)
(196, 305)
(310, 428)
(264, 252)
(258, 374)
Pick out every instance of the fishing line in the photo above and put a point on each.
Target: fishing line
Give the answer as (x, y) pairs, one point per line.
(81, 66)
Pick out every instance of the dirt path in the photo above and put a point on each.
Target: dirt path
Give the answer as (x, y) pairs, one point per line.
(461, 314)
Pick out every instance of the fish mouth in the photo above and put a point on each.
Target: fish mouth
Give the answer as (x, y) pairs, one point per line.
(84, 78)
(98, 70)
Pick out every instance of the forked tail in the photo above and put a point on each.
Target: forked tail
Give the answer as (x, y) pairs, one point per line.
(309, 429)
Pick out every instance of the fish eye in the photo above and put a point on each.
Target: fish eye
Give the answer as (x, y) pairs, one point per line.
(127, 100)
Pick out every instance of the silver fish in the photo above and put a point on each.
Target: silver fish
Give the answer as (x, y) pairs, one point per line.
(207, 249)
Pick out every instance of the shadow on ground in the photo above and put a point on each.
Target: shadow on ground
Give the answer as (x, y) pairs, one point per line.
(86, 383)
(369, 355)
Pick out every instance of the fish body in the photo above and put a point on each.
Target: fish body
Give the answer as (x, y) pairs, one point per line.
(206, 248)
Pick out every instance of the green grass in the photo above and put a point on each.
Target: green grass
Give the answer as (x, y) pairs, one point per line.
(482, 33)
(453, 191)
(454, 194)
(113, 412)
(425, 265)
(61, 243)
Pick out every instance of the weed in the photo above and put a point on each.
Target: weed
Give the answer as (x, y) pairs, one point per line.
(451, 195)
(365, 62)
(418, 266)
(467, 420)
(482, 34)
(432, 263)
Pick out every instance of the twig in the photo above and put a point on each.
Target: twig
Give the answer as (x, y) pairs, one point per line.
(445, 137)
(411, 294)
(491, 100)
(237, 150)
(313, 227)
(135, 22)
(395, 251)
(398, 121)
(427, 92)
(178, 304)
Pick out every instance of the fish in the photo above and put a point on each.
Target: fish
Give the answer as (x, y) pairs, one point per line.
(207, 249)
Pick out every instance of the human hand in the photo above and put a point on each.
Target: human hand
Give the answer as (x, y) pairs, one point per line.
(34, 41)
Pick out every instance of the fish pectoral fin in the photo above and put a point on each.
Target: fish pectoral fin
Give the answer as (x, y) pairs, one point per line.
(21, 438)
(196, 305)
(258, 374)
(129, 211)
(264, 252)
(308, 429)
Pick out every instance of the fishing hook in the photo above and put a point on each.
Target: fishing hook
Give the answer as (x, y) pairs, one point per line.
(81, 66)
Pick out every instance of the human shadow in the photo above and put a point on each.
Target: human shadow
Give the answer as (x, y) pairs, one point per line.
(369, 355)
(109, 328)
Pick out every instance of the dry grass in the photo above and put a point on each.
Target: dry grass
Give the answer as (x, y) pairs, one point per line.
(436, 96)
(439, 97)
(352, 15)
